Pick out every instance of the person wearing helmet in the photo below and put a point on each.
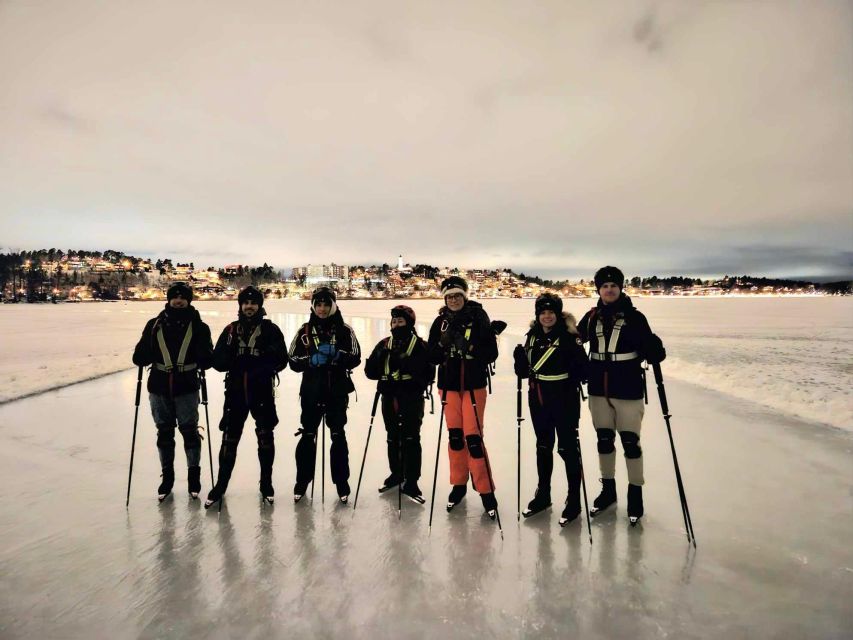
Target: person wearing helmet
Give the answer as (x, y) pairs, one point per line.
(325, 351)
(620, 339)
(399, 363)
(554, 361)
(177, 345)
(250, 351)
(463, 345)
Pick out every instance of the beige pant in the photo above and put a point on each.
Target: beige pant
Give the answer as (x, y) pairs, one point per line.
(625, 417)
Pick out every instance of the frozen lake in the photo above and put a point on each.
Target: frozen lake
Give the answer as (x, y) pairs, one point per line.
(753, 386)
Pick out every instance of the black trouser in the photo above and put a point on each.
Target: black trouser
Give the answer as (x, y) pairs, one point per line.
(403, 414)
(335, 409)
(262, 407)
(555, 413)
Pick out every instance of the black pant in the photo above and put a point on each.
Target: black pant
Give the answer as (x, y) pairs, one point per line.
(334, 407)
(235, 413)
(403, 414)
(555, 413)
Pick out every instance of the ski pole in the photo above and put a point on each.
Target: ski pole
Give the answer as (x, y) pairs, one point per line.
(400, 459)
(133, 442)
(437, 453)
(207, 422)
(519, 419)
(486, 457)
(583, 476)
(364, 457)
(323, 461)
(685, 510)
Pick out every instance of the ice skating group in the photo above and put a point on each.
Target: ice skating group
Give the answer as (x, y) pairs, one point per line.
(458, 355)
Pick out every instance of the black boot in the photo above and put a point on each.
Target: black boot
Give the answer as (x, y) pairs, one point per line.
(194, 481)
(456, 495)
(573, 500)
(411, 489)
(214, 495)
(390, 483)
(541, 501)
(635, 503)
(267, 491)
(605, 498)
(299, 490)
(343, 491)
(166, 484)
(490, 504)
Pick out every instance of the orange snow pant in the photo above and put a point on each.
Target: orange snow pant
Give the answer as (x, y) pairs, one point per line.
(466, 449)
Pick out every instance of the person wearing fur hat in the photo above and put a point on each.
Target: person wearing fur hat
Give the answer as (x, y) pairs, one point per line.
(250, 351)
(177, 345)
(463, 345)
(400, 365)
(554, 361)
(620, 339)
(325, 351)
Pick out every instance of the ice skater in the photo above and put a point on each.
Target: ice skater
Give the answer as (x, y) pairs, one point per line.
(325, 351)
(620, 339)
(399, 363)
(554, 361)
(463, 345)
(250, 351)
(177, 345)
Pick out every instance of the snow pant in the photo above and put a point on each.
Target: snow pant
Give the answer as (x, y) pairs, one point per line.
(182, 411)
(610, 415)
(403, 414)
(335, 410)
(555, 411)
(465, 448)
(234, 415)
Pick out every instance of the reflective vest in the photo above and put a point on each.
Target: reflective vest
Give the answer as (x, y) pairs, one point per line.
(607, 348)
(180, 365)
(396, 375)
(244, 348)
(454, 352)
(534, 368)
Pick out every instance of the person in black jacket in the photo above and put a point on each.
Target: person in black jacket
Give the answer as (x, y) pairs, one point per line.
(620, 339)
(555, 362)
(463, 345)
(250, 351)
(400, 364)
(324, 351)
(177, 346)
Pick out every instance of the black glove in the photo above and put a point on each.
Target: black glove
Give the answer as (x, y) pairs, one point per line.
(521, 365)
(653, 350)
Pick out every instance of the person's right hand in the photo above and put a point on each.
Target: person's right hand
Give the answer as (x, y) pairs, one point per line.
(521, 365)
(319, 359)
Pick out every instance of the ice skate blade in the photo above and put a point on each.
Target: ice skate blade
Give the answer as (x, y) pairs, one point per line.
(344, 499)
(297, 497)
(597, 512)
(268, 499)
(162, 496)
(417, 499)
(193, 495)
(388, 487)
(634, 520)
(492, 513)
(210, 503)
(527, 513)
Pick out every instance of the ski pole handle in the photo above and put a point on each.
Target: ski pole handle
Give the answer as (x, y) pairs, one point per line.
(138, 386)
(203, 381)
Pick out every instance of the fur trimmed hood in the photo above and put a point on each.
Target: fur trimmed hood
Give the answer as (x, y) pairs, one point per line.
(568, 318)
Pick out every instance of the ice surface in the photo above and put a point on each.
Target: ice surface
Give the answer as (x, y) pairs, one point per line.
(770, 497)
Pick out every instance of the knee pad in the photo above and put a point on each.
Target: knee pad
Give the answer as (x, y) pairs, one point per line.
(266, 439)
(191, 437)
(457, 439)
(475, 446)
(606, 440)
(544, 445)
(338, 436)
(165, 437)
(631, 444)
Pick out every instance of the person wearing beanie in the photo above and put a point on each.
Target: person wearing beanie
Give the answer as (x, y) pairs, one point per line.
(554, 361)
(250, 351)
(325, 351)
(177, 345)
(399, 364)
(620, 339)
(463, 344)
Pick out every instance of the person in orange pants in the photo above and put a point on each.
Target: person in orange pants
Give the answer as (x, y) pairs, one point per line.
(463, 345)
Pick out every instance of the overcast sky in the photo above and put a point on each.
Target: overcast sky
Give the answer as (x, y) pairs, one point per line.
(663, 137)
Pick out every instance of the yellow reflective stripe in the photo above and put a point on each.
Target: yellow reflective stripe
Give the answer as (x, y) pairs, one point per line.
(546, 355)
(182, 353)
(547, 378)
(396, 374)
(610, 346)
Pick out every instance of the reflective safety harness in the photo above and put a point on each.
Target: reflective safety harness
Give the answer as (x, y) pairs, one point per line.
(534, 369)
(249, 348)
(607, 348)
(396, 375)
(167, 366)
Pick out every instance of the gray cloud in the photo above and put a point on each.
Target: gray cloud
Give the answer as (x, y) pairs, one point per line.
(666, 137)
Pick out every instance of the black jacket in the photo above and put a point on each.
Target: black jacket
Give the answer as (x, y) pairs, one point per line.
(250, 364)
(174, 324)
(332, 378)
(624, 379)
(448, 344)
(568, 357)
(392, 353)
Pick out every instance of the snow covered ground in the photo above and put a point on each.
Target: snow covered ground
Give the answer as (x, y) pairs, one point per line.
(771, 497)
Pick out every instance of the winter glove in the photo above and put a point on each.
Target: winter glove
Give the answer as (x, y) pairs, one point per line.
(339, 354)
(319, 359)
(521, 365)
(327, 349)
(653, 350)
